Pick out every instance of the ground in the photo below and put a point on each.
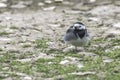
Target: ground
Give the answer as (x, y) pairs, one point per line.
(32, 46)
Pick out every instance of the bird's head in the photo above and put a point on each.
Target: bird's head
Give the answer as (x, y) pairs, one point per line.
(79, 26)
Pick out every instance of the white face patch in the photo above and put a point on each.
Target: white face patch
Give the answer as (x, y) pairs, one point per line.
(79, 26)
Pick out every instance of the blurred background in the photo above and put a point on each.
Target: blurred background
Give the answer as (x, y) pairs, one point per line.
(53, 4)
(32, 46)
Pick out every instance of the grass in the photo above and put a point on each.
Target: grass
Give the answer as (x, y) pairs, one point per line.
(14, 27)
(4, 33)
(104, 45)
(51, 68)
(41, 44)
(26, 45)
(1, 49)
(54, 68)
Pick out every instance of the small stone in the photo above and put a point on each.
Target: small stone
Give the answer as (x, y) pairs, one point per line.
(79, 65)
(58, 1)
(35, 58)
(28, 3)
(81, 7)
(48, 1)
(107, 50)
(88, 54)
(27, 78)
(94, 19)
(5, 68)
(116, 25)
(50, 43)
(82, 73)
(3, 5)
(8, 78)
(107, 60)
(5, 39)
(49, 8)
(113, 32)
(54, 25)
(19, 74)
(68, 3)
(41, 4)
(64, 62)
(109, 35)
(71, 58)
(18, 6)
(48, 32)
(50, 62)
(92, 1)
(116, 47)
(106, 2)
(8, 18)
(3, 0)
(68, 49)
(101, 75)
(72, 12)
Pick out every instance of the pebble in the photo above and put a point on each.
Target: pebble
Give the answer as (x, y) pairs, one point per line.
(68, 49)
(113, 32)
(64, 62)
(105, 2)
(68, 3)
(116, 25)
(92, 1)
(109, 35)
(41, 4)
(49, 8)
(3, 0)
(27, 3)
(58, 0)
(116, 47)
(8, 78)
(48, 1)
(82, 73)
(35, 58)
(5, 68)
(72, 12)
(8, 18)
(54, 25)
(18, 6)
(3, 5)
(79, 65)
(48, 32)
(81, 7)
(88, 54)
(94, 19)
(27, 78)
(5, 39)
(107, 60)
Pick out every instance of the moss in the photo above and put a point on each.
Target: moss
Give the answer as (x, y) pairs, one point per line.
(41, 44)
(4, 33)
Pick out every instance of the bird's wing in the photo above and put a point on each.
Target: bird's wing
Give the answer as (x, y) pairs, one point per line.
(70, 35)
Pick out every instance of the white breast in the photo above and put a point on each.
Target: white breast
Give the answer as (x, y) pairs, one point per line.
(79, 42)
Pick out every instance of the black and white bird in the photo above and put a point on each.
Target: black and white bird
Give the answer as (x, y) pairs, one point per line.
(77, 35)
